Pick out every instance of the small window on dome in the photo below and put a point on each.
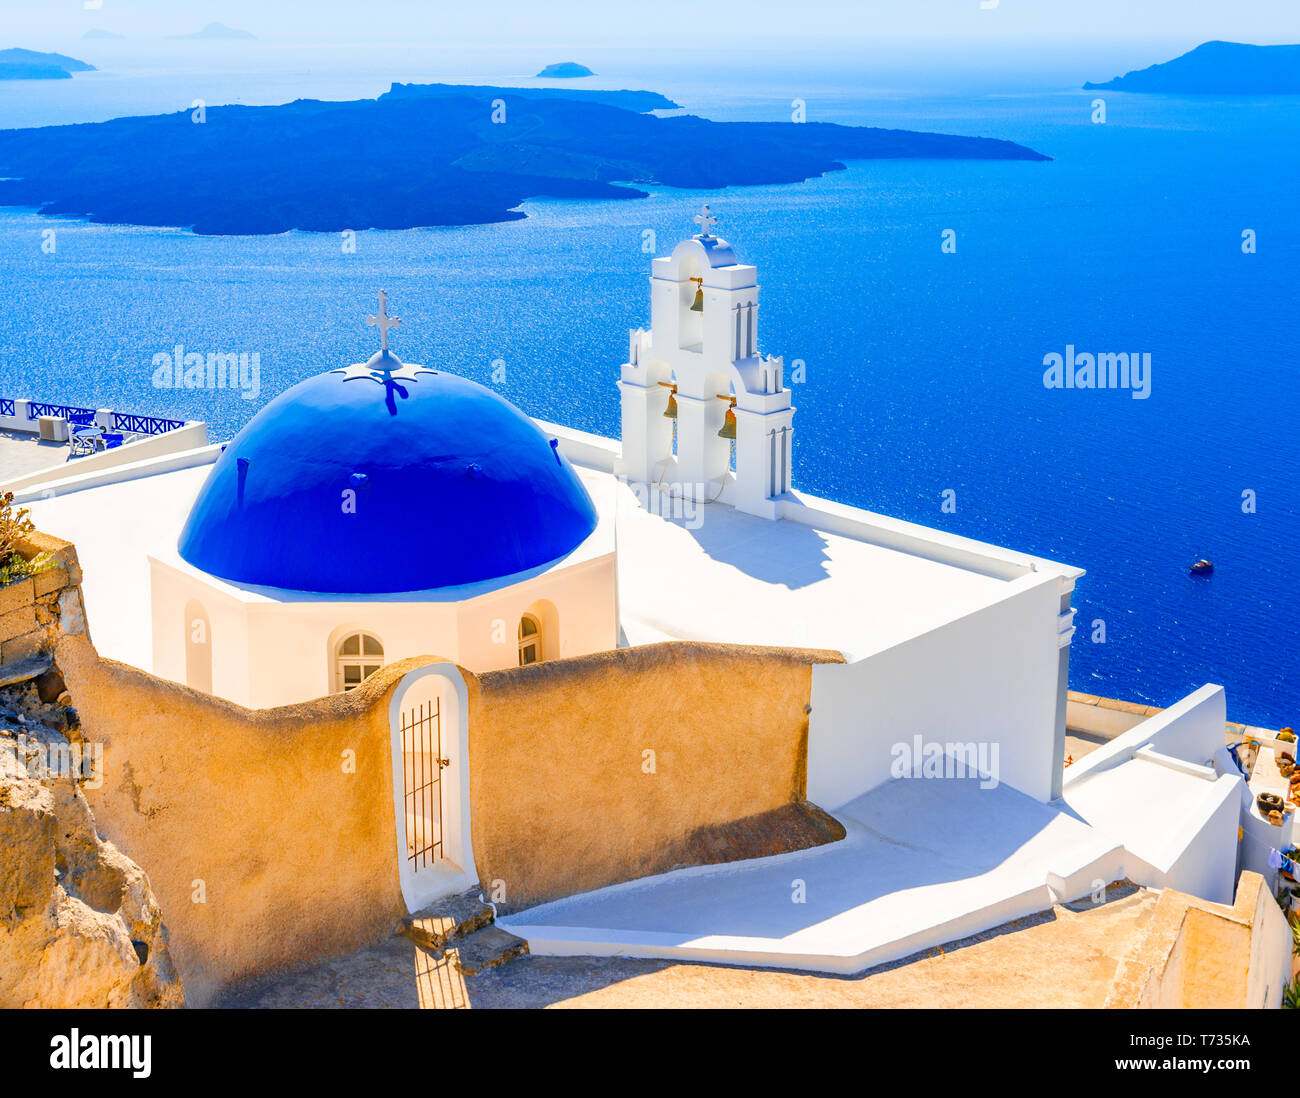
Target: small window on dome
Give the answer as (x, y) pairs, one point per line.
(530, 640)
(358, 656)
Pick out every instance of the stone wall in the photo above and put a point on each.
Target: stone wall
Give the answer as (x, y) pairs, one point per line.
(34, 611)
(1106, 718)
(1197, 954)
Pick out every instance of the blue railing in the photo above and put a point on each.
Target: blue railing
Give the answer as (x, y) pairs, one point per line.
(145, 425)
(122, 421)
(64, 411)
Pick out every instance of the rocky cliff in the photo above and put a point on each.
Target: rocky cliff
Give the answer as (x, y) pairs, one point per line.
(79, 926)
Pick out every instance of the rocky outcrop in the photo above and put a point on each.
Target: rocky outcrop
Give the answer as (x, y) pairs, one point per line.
(79, 925)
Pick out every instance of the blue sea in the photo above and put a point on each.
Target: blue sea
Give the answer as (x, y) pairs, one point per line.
(924, 369)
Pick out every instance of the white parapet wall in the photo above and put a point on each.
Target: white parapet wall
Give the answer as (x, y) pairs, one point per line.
(988, 678)
(1191, 729)
(63, 479)
(1199, 855)
(192, 436)
(582, 448)
(908, 537)
(1156, 789)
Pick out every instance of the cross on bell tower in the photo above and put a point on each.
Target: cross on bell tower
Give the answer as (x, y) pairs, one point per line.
(383, 321)
(706, 221)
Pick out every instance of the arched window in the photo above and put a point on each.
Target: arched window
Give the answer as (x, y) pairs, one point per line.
(530, 640)
(359, 656)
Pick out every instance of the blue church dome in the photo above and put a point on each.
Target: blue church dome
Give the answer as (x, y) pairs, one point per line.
(386, 478)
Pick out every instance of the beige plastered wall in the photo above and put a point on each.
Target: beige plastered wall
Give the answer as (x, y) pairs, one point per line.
(585, 772)
(269, 835)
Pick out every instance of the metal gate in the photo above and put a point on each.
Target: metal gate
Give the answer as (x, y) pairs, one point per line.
(422, 765)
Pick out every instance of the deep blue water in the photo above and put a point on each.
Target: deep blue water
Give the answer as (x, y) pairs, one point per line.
(924, 370)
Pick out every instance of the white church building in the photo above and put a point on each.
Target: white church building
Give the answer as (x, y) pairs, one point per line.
(386, 510)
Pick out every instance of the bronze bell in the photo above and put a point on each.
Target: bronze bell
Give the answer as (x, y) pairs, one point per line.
(728, 429)
(698, 306)
(671, 411)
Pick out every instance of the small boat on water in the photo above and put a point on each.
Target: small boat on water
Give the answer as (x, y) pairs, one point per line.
(1202, 567)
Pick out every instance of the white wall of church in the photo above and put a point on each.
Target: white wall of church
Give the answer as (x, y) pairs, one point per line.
(577, 607)
(311, 631)
(172, 595)
(269, 653)
(988, 677)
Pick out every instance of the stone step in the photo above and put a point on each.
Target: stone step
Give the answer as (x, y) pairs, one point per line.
(486, 949)
(446, 920)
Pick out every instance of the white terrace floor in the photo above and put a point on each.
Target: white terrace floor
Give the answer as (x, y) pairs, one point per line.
(22, 453)
(912, 873)
(748, 580)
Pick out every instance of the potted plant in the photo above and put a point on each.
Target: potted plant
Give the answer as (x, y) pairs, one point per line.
(14, 528)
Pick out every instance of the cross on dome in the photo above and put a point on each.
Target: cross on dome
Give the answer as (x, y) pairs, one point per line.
(383, 321)
(706, 221)
(384, 367)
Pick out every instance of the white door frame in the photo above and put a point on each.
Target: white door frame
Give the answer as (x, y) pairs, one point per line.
(456, 872)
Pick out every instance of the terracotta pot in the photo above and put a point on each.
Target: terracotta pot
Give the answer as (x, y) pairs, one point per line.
(1269, 802)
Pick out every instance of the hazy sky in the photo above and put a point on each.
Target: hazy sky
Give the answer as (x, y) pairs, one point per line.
(667, 23)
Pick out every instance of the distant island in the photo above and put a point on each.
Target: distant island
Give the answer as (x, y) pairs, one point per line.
(217, 32)
(95, 34)
(639, 101)
(420, 156)
(16, 64)
(1217, 68)
(566, 70)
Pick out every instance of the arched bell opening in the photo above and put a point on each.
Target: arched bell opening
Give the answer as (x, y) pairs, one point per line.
(728, 429)
(719, 429)
(691, 304)
(670, 414)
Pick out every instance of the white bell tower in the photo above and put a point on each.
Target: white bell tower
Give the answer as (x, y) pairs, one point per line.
(702, 352)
